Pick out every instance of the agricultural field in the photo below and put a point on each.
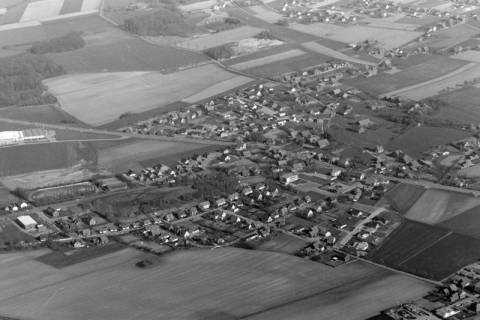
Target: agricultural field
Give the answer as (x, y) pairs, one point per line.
(198, 6)
(426, 251)
(42, 9)
(71, 6)
(218, 88)
(268, 59)
(466, 223)
(203, 42)
(223, 284)
(469, 55)
(402, 196)
(38, 157)
(267, 15)
(388, 38)
(451, 37)
(433, 87)
(462, 105)
(434, 67)
(417, 140)
(435, 206)
(324, 50)
(14, 12)
(123, 155)
(100, 98)
(131, 54)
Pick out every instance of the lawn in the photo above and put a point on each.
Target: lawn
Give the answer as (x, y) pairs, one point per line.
(417, 140)
(199, 284)
(100, 98)
(435, 206)
(382, 83)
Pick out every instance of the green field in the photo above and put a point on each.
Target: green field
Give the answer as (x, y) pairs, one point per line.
(282, 243)
(38, 157)
(382, 83)
(131, 54)
(43, 114)
(435, 206)
(467, 222)
(403, 196)
(462, 105)
(199, 284)
(417, 140)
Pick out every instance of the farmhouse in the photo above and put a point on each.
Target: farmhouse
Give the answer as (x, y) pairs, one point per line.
(26, 222)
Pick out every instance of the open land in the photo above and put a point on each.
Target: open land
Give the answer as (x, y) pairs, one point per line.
(42, 114)
(39, 10)
(317, 47)
(469, 55)
(462, 105)
(197, 6)
(71, 6)
(467, 222)
(221, 284)
(131, 54)
(435, 206)
(218, 88)
(432, 68)
(388, 38)
(38, 157)
(402, 196)
(452, 36)
(99, 98)
(282, 243)
(268, 59)
(123, 155)
(201, 43)
(426, 251)
(432, 87)
(417, 140)
(265, 14)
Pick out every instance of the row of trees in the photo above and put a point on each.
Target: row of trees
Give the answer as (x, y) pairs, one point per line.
(70, 41)
(21, 79)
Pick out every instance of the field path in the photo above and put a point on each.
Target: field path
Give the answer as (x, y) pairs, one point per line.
(405, 91)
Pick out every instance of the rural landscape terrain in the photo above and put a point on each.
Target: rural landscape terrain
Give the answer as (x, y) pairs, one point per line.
(239, 159)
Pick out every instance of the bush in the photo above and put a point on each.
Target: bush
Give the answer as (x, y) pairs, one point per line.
(220, 52)
(70, 41)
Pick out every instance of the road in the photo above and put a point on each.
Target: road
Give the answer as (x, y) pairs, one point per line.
(342, 242)
(122, 135)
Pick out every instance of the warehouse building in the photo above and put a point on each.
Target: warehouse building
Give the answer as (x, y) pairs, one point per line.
(27, 222)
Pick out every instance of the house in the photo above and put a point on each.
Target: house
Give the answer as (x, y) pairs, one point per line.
(288, 178)
(204, 206)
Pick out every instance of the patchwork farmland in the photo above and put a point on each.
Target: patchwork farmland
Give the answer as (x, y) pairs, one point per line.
(100, 98)
(223, 284)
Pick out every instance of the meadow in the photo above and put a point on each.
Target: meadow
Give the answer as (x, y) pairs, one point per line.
(196, 284)
(42, 114)
(100, 98)
(324, 50)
